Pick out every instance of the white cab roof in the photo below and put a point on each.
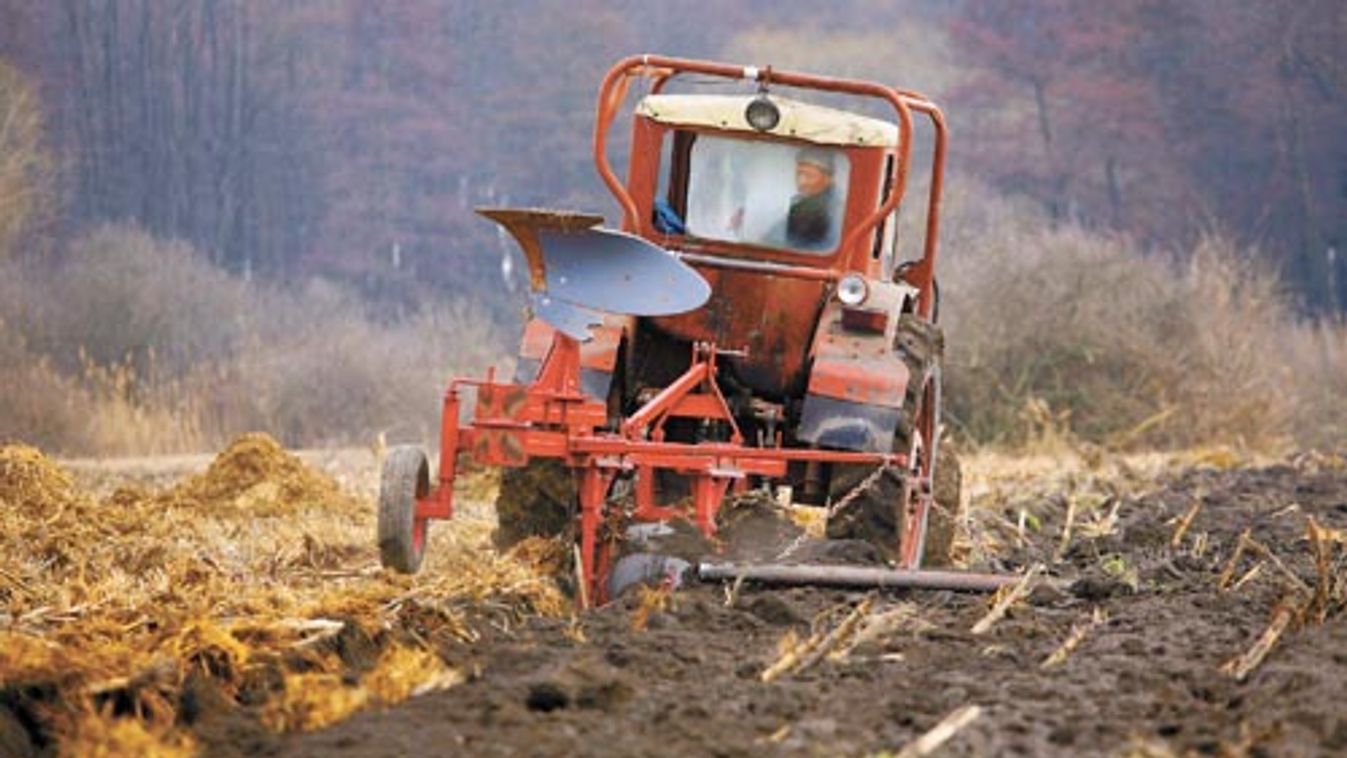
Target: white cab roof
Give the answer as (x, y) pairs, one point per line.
(814, 123)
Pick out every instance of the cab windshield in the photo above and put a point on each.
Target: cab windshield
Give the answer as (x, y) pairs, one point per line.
(766, 193)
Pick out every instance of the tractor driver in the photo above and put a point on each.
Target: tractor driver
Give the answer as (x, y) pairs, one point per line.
(809, 223)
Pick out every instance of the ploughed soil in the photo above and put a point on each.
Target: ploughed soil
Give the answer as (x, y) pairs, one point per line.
(1159, 637)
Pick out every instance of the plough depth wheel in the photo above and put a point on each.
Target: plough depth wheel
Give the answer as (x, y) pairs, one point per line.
(402, 536)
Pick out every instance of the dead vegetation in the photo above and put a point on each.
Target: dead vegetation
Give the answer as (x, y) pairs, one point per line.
(250, 593)
(798, 655)
(127, 344)
(27, 167)
(1307, 602)
(124, 344)
(1058, 328)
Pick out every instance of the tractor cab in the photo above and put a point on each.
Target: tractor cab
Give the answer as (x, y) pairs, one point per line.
(824, 334)
(759, 193)
(727, 186)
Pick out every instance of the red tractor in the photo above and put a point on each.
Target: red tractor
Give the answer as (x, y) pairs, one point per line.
(754, 323)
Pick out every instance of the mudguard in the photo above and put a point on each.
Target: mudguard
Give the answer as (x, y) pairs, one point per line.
(598, 356)
(858, 381)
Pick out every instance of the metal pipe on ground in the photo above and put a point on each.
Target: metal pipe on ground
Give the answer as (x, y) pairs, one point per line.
(854, 576)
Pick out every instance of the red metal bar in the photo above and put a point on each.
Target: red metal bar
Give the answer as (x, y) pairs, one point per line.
(700, 406)
(440, 503)
(677, 399)
(612, 445)
(646, 507)
(708, 492)
(594, 483)
(765, 267)
(691, 463)
(550, 411)
(449, 439)
(637, 422)
(545, 443)
(560, 370)
(924, 276)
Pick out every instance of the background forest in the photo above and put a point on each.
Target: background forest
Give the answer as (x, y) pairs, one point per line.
(219, 216)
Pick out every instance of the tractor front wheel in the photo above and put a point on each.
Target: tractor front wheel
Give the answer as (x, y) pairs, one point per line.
(402, 536)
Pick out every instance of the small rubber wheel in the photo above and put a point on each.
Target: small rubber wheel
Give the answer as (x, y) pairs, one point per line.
(402, 536)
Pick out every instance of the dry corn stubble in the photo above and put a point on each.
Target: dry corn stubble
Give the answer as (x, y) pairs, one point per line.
(256, 581)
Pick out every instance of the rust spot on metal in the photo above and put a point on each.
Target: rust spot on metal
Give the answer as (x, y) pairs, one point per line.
(512, 452)
(514, 400)
(772, 317)
(524, 225)
(481, 446)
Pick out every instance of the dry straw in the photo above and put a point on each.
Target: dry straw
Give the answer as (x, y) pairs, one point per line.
(254, 586)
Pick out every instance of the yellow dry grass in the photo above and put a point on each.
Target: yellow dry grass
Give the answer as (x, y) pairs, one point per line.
(256, 581)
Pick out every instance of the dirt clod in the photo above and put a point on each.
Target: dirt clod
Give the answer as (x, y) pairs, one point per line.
(773, 609)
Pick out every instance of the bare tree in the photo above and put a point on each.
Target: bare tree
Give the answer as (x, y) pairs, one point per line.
(25, 166)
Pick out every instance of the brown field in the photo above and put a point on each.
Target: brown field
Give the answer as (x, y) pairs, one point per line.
(235, 606)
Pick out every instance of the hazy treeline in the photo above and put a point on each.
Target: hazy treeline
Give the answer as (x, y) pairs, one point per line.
(351, 139)
(1167, 119)
(344, 139)
(139, 345)
(226, 216)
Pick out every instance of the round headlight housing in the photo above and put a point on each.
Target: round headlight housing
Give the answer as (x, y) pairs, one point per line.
(851, 290)
(762, 114)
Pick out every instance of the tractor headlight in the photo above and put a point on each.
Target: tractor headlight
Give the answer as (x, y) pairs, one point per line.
(762, 114)
(851, 290)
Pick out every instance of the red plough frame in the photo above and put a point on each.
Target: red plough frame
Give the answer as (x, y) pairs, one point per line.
(552, 418)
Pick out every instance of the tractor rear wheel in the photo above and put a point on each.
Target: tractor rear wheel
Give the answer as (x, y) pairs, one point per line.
(402, 536)
(537, 499)
(874, 510)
